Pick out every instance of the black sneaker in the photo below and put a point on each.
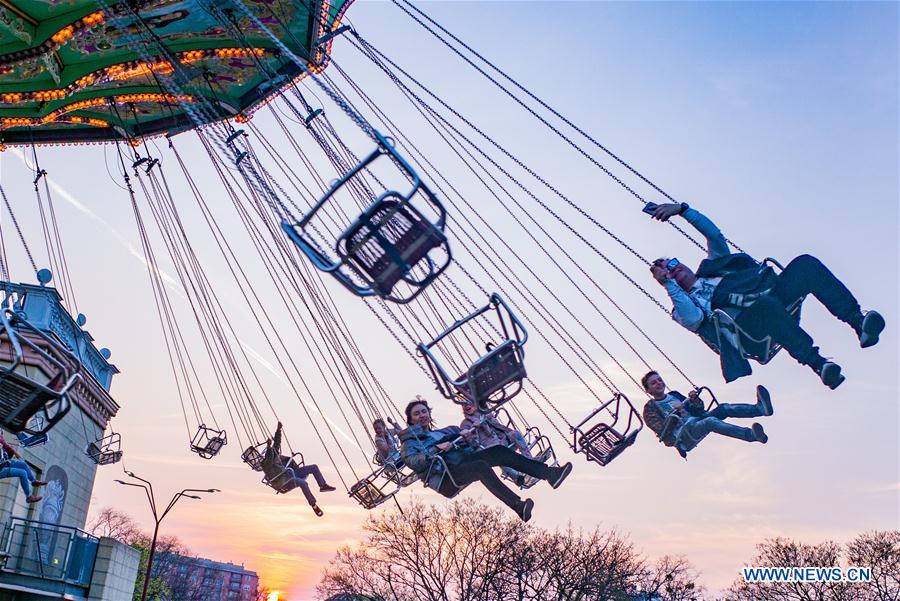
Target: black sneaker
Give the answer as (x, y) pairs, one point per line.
(759, 433)
(520, 480)
(562, 473)
(318, 511)
(831, 375)
(525, 509)
(327, 488)
(872, 325)
(764, 401)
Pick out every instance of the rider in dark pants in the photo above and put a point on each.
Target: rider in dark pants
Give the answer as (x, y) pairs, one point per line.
(757, 298)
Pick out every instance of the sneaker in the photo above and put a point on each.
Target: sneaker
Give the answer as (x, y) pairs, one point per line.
(759, 433)
(520, 480)
(33, 498)
(561, 474)
(831, 375)
(872, 325)
(327, 488)
(525, 509)
(318, 511)
(764, 401)
(39, 483)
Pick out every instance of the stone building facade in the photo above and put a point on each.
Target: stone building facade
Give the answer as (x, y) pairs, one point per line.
(44, 551)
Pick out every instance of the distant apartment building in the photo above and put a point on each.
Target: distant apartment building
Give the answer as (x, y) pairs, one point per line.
(199, 579)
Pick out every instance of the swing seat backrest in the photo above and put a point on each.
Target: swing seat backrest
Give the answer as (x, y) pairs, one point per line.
(253, 457)
(367, 494)
(214, 445)
(603, 443)
(388, 241)
(210, 449)
(492, 378)
(102, 457)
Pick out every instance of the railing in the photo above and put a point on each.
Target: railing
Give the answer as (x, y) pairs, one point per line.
(41, 307)
(49, 551)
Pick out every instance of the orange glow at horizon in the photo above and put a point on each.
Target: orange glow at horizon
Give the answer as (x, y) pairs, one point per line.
(274, 596)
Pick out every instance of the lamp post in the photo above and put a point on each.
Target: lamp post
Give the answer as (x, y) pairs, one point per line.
(158, 517)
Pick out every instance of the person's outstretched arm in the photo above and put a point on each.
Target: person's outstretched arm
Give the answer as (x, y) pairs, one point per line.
(276, 442)
(716, 245)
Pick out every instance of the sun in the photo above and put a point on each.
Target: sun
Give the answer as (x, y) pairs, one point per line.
(274, 596)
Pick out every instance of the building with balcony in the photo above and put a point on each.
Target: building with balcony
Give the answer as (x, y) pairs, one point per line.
(44, 551)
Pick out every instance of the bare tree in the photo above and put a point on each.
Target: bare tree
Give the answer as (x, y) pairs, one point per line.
(112, 523)
(879, 551)
(472, 552)
(671, 578)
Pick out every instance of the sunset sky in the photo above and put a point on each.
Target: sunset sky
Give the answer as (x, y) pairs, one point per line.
(777, 120)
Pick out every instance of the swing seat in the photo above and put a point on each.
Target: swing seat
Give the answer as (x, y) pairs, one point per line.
(761, 350)
(498, 375)
(367, 493)
(391, 242)
(106, 450)
(32, 441)
(539, 449)
(207, 442)
(388, 241)
(253, 457)
(21, 398)
(604, 441)
(395, 470)
(492, 378)
(25, 350)
(211, 449)
(101, 457)
(283, 481)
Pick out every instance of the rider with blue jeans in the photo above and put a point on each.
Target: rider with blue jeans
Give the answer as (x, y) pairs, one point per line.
(12, 467)
(277, 466)
(692, 423)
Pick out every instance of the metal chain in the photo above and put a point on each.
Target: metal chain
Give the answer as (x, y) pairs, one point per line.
(544, 121)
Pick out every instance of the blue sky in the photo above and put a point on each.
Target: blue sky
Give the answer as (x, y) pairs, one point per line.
(778, 120)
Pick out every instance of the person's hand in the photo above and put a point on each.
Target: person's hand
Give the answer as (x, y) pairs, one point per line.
(679, 409)
(660, 274)
(444, 446)
(391, 421)
(694, 396)
(467, 431)
(663, 212)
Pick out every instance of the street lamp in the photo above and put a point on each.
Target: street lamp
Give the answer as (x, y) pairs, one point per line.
(158, 517)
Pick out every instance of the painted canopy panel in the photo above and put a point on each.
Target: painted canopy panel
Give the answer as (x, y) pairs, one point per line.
(83, 70)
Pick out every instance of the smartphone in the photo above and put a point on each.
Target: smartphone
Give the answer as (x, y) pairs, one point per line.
(650, 208)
